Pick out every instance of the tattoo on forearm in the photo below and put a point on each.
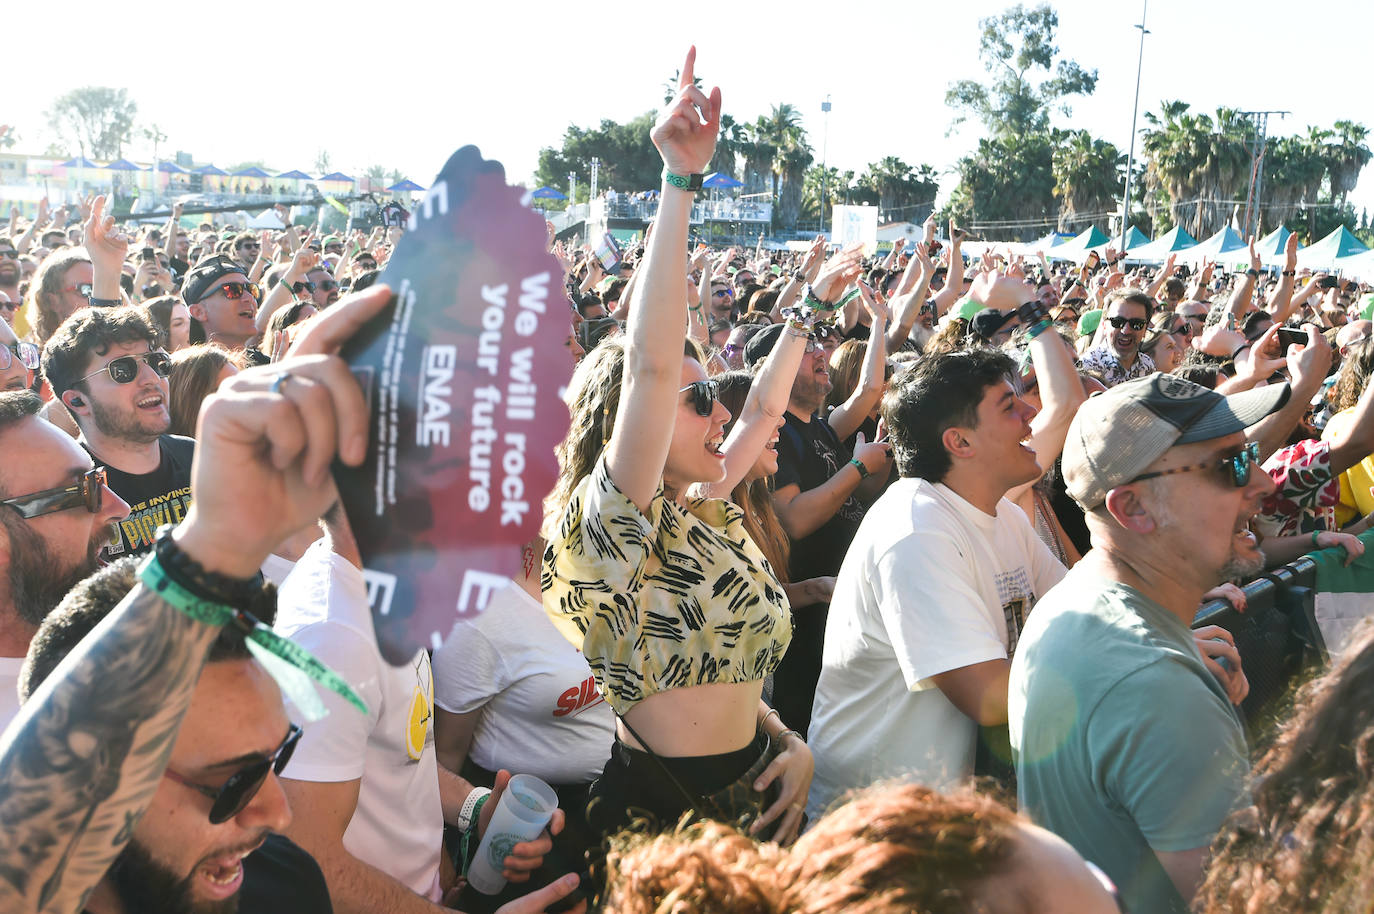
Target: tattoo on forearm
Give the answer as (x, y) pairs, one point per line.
(83, 759)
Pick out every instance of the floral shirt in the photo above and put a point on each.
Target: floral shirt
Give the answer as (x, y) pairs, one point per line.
(1307, 492)
(1104, 361)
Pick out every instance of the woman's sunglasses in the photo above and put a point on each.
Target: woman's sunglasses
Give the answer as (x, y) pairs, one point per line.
(1135, 323)
(88, 492)
(124, 369)
(27, 352)
(234, 290)
(1238, 465)
(703, 396)
(244, 784)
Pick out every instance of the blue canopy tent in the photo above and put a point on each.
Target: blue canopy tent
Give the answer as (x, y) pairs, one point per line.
(168, 168)
(210, 170)
(1226, 247)
(1134, 239)
(404, 186)
(548, 193)
(1157, 251)
(294, 175)
(252, 171)
(337, 176)
(720, 179)
(1271, 248)
(79, 162)
(1077, 248)
(1324, 254)
(121, 165)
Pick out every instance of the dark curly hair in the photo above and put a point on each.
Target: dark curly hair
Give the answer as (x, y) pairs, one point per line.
(1307, 842)
(92, 330)
(942, 391)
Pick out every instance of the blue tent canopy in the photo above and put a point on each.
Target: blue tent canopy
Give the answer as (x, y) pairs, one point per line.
(548, 193)
(1157, 251)
(1323, 254)
(1225, 247)
(721, 179)
(295, 175)
(168, 168)
(253, 172)
(1076, 248)
(405, 185)
(122, 165)
(1272, 248)
(336, 176)
(79, 162)
(210, 170)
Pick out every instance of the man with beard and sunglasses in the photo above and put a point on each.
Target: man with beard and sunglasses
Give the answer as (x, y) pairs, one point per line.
(10, 275)
(1127, 746)
(219, 295)
(107, 368)
(1124, 323)
(190, 855)
(326, 290)
(55, 515)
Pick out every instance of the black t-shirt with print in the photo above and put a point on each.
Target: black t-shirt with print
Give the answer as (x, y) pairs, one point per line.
(160, 497)
(809, 453)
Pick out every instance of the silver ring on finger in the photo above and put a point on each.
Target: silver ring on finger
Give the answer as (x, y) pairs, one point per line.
(279, 381)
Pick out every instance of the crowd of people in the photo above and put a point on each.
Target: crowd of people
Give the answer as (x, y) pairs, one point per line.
(867, 583)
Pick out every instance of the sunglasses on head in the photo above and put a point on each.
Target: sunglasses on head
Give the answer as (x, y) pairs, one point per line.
(1238, 465)
(124, 369)
(28, 354)
(1135, 323)
(230, 799)
(88, 492)
(703, 396)
(299, 287)
(234, 290)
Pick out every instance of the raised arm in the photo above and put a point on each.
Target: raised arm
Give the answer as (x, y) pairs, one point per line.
(1243, 294)
(169, 243)
(1161, 277)
(685, 136)
(66, 811)
(107, 247)
(806, 273)
(954, 277)
(911, 295)
(846, 418)
(281, 295)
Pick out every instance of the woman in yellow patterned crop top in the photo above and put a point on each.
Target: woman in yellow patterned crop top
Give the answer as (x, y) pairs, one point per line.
(676, 610)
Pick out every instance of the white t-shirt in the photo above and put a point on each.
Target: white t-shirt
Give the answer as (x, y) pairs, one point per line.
(399, 824)
(541, 712)
(9, 689)
(930, 584)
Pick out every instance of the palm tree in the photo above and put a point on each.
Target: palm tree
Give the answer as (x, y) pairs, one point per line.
(729, 143)
(1087, 179)
(758, 155)
(670, 86)
(1348, 157)
(1198, 164)
(783, 133)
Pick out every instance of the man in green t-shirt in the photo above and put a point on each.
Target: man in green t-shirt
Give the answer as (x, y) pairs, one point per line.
(1126, 745)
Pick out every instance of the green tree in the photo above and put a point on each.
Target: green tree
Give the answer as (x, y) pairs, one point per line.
(1197, 165)
(322, 164)
(782, 131)
(728, 145)
(96, 120)
(1088, 179)
(1346, 158)
(670, 86)
(1006, 187)
(629, 161)
(1014, 47)
(903, 193)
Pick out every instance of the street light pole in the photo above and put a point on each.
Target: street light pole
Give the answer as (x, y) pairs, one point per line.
(1135, 109)
(825, 145)
(596, 166)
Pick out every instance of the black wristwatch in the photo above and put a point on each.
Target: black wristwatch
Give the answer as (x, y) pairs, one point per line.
(1252, 273)
(103, 302)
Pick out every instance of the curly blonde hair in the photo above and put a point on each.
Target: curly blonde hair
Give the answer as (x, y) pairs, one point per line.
(593, 400)
(892, 849)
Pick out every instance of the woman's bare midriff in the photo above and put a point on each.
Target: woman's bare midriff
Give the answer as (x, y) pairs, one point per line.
(697, 720)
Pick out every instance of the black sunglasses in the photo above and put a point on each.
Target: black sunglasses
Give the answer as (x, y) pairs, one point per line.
(9, 253)
(299, 287)
(327, 285)
(703, 396)
(234, 290)
(27, 352)
(244, 784)
(1238, 465)
(124, 369)
(1135, 323)
(250, 244)
(90, 492)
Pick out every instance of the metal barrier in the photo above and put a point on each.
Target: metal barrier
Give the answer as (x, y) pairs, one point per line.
(1277, 635)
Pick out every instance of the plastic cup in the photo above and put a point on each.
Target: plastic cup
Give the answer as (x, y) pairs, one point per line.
(522, 813)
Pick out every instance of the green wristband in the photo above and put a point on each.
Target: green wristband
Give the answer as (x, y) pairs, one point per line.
(858, 464)
(155, 577)
(1315, 544)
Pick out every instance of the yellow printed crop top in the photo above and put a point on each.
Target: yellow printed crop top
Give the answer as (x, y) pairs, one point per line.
(679, 598)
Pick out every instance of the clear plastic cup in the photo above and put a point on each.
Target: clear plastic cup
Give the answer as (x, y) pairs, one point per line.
(522, 813)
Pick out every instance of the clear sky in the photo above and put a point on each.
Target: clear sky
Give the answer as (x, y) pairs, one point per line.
(402, 83)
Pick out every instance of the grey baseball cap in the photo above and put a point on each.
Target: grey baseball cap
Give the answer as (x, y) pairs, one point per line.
(1118, 433)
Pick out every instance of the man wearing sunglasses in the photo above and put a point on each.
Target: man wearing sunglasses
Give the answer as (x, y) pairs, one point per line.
(218, 294)
(246, 250)
(55, 515)
(1127, 746)
(1124, 323)
(10, 275)
(326, 287)
(18, 359)
(106, 366)
(211, 833)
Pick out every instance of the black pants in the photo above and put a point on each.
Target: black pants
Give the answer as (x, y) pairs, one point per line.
(794, 681)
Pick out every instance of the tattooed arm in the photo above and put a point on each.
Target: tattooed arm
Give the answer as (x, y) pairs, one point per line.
(81, 762)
